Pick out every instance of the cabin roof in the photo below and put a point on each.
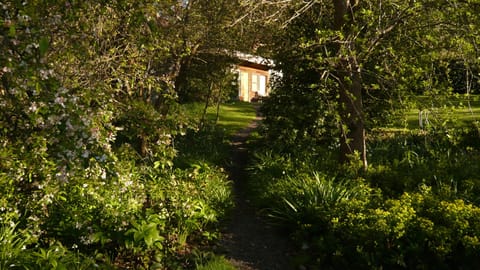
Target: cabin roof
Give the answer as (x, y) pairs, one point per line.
(254, 65)
(254, 61)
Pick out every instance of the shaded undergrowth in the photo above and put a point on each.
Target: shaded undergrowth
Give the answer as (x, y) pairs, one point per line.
(416, 206)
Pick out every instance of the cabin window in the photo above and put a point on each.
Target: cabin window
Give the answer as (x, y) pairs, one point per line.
(255, 83)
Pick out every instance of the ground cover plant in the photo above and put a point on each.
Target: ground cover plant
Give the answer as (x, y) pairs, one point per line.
(415, 207)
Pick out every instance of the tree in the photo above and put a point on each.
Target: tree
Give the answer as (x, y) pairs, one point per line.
(370, 52)
(208, 38)
(85, 88)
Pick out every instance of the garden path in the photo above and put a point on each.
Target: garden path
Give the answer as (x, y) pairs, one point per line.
(248, 242)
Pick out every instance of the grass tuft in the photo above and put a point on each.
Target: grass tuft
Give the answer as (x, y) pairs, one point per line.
(217, 263)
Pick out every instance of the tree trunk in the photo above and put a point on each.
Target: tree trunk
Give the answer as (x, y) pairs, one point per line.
(219, 101)
(352, 136)
(207, 103)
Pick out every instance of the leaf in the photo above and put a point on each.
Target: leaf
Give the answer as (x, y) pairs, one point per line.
(158, 244)
(290, 205)
(43, 46)
(152, 235)
(12, 32)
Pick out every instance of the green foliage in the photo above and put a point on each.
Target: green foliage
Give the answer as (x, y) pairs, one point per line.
(16, 252)
(416, 206)
(208, 78)
(307, 199)
(60, 258)
(374, 56)
(210, 143)
(404, 161)
(416, 230)
(343, 223)
(143, 128)
(12, 245)
(88, 117)
(216, 263)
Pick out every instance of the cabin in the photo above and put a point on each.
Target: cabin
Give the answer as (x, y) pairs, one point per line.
(254, 73)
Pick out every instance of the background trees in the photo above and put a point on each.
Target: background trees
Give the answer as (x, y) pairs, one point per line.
(354, 65)
(366, 56)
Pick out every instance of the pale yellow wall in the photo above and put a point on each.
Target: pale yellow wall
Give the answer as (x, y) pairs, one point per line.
(250, 82)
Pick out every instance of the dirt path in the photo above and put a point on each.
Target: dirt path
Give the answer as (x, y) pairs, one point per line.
(248, 242)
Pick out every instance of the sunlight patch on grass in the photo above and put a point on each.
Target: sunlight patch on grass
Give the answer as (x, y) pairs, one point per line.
(453, 118)
(217, 263)
(459, 111)
(232, 116)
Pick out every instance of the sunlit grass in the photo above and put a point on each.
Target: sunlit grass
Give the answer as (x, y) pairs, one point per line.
(453, 117)
(232, 116)
(217, 263)
(458, 111)
(235, 116)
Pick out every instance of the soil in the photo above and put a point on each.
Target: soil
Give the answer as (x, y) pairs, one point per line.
(248, 241)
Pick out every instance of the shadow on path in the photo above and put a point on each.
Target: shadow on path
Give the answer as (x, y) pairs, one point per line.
(248, 242)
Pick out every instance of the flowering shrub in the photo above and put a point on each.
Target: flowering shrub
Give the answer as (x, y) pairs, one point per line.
(87, 125)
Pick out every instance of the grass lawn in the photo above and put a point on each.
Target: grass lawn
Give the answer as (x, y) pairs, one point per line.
(457, 117)
(456, 112)
(232, 116)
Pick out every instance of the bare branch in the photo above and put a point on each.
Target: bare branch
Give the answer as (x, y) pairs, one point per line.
(275, 8)
(299, 12)
(384, 32)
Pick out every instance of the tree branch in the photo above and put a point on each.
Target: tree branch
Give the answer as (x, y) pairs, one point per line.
(396, 22)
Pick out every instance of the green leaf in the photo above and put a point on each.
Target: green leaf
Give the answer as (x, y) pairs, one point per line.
(12, 31)
(43, 46)
(151, 235)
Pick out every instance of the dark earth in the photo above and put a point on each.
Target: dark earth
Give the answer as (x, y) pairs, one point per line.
(248, 241)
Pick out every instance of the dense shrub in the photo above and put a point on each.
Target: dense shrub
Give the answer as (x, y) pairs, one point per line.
(447, 161)
(125, 218)
(415, 208)
(208, 145)
(418, 230)
(88, 117)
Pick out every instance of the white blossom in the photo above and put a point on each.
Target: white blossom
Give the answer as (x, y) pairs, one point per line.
(33, 107)
(60, 100)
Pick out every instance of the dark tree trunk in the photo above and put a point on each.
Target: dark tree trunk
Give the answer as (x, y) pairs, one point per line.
(207, 103)
(219, 101)
(352, 138)
(352, 129)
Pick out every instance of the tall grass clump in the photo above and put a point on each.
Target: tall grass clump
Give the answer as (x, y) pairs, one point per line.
(12, 245)
(306, 198)
(216, 263)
